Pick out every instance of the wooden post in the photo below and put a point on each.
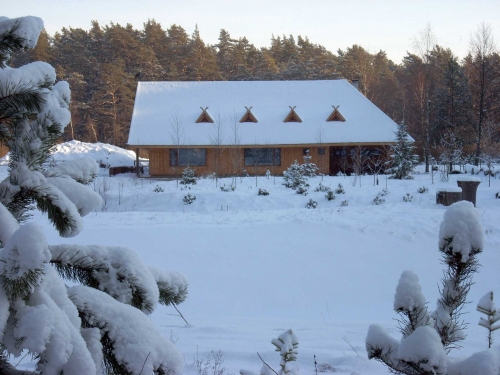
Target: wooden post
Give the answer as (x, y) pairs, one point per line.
(137, 169)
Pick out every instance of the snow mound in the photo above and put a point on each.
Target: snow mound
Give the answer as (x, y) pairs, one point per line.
(105, 154)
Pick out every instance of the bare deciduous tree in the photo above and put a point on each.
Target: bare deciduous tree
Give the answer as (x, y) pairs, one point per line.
(424, 43)
(177, 137)
(217, 138)
(481, 47)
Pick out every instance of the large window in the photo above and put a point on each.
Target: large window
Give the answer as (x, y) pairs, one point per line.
(188, 156)
(262, 156)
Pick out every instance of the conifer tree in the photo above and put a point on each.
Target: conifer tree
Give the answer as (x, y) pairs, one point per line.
(427, 338)
(310, 169)
(403, 158)
(294, 177)
(100, 325)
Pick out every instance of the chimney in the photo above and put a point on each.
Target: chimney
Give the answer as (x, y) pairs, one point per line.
(355, 83)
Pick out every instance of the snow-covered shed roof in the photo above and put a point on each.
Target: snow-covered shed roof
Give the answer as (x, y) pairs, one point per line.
(160, 105)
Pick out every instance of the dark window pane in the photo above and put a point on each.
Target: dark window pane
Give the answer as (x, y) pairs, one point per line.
(277, 156)
(262, 156)
(192, 156)
(173, 157)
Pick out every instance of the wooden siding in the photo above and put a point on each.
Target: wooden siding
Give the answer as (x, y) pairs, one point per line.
(230, 161)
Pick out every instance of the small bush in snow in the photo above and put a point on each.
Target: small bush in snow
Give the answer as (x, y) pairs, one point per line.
(311, 204)
(422, 190)
(158, 189)
(340, 189)
(384, 192)
(263, 192)
(322, 188)
(326, 367)
(286, 344)
(378, 200)
(226, 189)
(207, 367)
(188, 199)
(408, 197)
(330, 196)
(344, 203)
(245, 173)
(301, 189)
(188, 177)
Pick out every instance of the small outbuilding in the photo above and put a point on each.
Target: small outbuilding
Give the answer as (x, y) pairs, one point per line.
(225, 127)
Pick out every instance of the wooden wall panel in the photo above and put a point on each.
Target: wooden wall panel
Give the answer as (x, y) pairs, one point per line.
(230, 162)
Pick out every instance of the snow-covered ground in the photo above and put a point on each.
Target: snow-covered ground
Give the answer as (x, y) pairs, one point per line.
(259, 265)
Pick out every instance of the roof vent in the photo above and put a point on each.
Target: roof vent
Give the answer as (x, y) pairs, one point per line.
(292, 116)
(335, 115)
(204, 117)
(248, 116)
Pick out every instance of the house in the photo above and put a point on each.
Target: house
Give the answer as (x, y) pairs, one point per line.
(226, 127)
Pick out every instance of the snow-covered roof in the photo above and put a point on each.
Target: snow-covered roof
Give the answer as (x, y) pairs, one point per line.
(159, 104)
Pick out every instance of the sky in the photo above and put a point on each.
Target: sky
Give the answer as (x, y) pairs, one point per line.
(388, 25)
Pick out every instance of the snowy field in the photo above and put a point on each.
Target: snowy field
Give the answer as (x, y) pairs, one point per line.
(258, 265)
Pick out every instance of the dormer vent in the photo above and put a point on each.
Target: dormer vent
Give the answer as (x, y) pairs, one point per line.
(336, 115)
(204, 117)
(248, 116)
(292, 116)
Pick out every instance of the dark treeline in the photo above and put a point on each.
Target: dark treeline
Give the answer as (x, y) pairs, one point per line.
(450, 105)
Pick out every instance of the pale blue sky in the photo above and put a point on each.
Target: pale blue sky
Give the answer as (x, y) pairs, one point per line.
(388, 25)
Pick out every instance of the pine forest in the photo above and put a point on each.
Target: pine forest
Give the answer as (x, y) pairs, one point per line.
(450, 105)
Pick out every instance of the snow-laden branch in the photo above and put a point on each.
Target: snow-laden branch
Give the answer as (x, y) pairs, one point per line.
(83, 170)
(173, 285)
(131, 343)
(117, 271)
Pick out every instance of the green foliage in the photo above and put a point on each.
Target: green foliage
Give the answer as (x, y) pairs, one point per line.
(188, 177)
(422, 190)
(158, 189)
(403, 158)
(188, 199)
(330, 196)
(408, 198)
(311, 204)
(340, 189)
(378, 200)
(263, 192)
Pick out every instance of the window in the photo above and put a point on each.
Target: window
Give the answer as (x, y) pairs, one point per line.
(262, 156)
(321, 150)
(188, 156)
